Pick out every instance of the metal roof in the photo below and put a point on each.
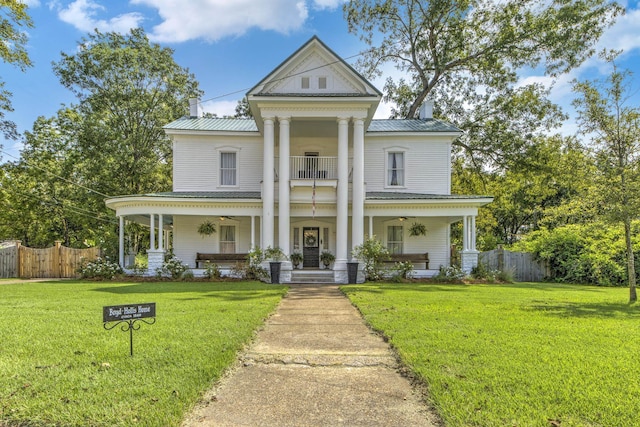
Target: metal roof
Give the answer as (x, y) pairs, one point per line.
(411, 125)
(380, 195)
(214, 124)
(208, 194)
(249, 125)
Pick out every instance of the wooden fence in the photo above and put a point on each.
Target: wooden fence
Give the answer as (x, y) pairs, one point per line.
(30, 263)
(524, 266)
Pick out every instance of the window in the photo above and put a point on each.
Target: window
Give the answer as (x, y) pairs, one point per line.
(305, 83)
(395, 169)
(394, 239)
(322, 82)
(227, 239)
(227, 168)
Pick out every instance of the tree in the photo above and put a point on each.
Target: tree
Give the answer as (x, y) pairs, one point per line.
(128, 89)
(465, 55)
(13, 40)
(613, 124)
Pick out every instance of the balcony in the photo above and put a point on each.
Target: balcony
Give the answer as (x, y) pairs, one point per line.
(310, 168)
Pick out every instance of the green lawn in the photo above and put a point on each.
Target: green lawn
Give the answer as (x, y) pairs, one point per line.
(515, 355)
(59, 366)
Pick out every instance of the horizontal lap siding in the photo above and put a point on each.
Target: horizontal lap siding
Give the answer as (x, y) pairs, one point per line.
(427, 164)
(196, 162)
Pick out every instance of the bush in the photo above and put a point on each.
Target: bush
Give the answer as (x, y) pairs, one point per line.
(212, 271)
(402, 270)
(100, 268)
(252, 268)
(450, 274)
(481, 272)
(372, 254)
(172, 267)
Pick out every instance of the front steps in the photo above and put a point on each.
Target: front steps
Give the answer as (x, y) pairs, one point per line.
(312, 276)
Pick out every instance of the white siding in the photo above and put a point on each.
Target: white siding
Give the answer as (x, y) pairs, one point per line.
(187, 242)
(436, 242)
(196, 162)
(427, 164)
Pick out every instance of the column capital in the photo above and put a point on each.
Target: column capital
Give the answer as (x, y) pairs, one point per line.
(341, 120)
(269, 119)
(357, 120)
(284, 119)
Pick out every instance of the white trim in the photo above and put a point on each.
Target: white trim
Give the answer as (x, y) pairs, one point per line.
(395, 150)
(224, 150)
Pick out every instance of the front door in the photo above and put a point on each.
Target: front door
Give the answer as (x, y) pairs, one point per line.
(311, 247)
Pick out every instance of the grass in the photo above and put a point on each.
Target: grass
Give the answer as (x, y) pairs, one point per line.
(59, 366)
(515, 355)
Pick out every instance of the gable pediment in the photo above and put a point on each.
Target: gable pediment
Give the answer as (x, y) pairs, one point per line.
(314, 70)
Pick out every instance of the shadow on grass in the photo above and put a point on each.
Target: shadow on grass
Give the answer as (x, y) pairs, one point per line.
(221, 290)
(588, 310)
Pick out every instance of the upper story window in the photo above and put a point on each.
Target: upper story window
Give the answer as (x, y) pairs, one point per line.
(394, 239)
(395, 169)
(305, 83)
(322, 82)
(228, 168)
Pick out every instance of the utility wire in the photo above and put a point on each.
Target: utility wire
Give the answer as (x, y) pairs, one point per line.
(57, 176)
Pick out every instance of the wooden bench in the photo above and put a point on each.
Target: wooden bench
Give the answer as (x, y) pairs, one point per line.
(220, 258)
(414, 258)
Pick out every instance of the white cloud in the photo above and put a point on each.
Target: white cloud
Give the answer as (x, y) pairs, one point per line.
(82, 15)
(221, 108)
(31, 3)
(215, 19)
(624, 34)
(327, 4)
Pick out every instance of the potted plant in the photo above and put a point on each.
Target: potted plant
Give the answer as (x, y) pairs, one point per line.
(296, 259)
(327, 258)
(417, 229)
(275, 257)
(207, 228)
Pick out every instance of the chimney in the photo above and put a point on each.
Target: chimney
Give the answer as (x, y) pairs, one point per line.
(193, 107)
(426, 110)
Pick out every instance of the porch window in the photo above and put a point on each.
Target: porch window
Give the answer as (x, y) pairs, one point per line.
(228, 168)
(394, 239)
(227, 239)
(395, 169)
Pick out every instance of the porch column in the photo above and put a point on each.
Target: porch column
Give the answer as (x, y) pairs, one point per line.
(357, 184)
(284, 189)
(469, 254)
(160, 232)
(342, 200)
(253, 232)
(152, 232)
(370, 226)
(268, 184)
(121, 242)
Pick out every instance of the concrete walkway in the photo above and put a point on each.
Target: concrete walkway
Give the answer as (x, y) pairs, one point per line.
(315, 363)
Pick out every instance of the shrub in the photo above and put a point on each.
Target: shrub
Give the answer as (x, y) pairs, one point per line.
(100, 268)
(372, 254)
(172, 267)
(450, 274)
(481, 272)
(402, 270)
(212, 270)
(252, 268)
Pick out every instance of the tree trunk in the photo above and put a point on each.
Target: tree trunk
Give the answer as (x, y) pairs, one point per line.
(631, 268)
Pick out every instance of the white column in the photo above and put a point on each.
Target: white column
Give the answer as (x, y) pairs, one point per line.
(370, 226)
(152, 232)
(160, 232)
(473, 233)
(121, 242)
(253, 232)
(283, 193)
(268, 185)
(357, 184)
(342, 199)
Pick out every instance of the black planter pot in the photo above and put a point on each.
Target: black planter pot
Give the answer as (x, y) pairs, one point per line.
(275, 271)
(352, 272)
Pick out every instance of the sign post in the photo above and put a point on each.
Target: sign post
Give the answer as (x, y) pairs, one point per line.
(128, 315)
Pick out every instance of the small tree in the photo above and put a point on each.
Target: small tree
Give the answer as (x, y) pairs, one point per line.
(371, 253)
(614, 127)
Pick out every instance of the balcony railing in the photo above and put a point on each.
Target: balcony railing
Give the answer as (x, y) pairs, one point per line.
(313, 167)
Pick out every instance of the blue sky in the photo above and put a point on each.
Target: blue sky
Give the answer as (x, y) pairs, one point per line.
(229, 45)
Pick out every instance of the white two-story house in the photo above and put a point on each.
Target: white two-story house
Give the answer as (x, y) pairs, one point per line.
(311, 172)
